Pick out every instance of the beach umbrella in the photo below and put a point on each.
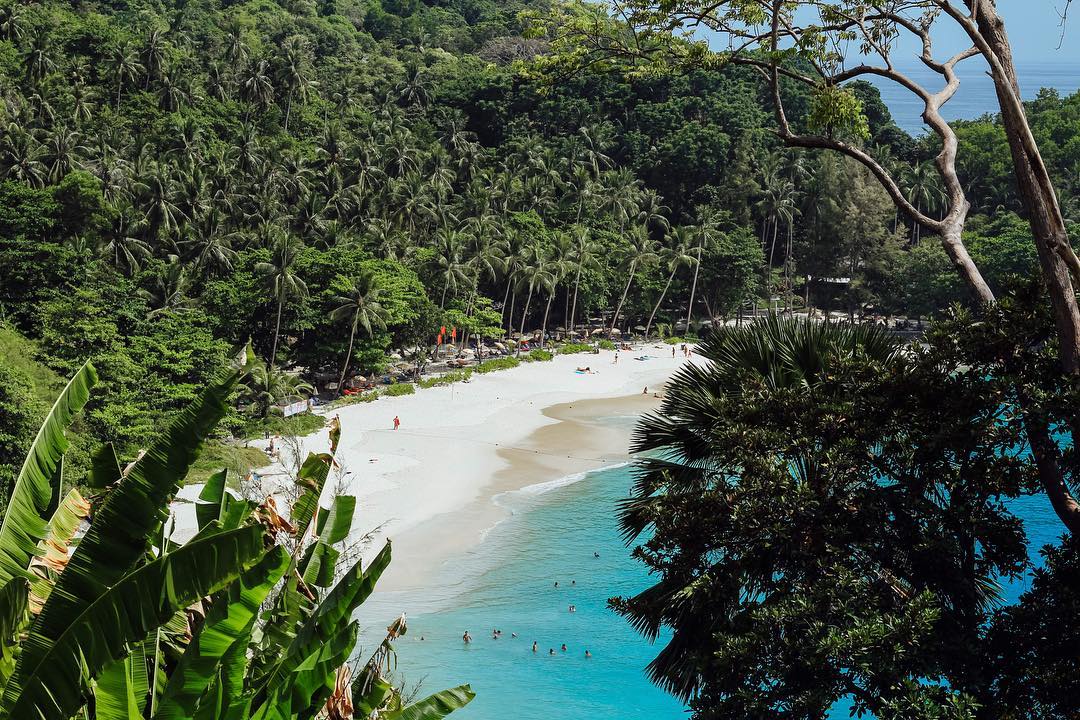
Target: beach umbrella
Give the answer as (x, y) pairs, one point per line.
(639, 328)
(598, 331)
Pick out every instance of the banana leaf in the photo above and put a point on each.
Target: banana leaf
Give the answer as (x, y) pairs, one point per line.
(369, 693)
(335, 524)
(312, 478)
(303, 693)
(114, 693)
(104, 468)
(230, 620)
(48, 682)
(317, 567)
(129, 517)
(436, 706)
(214, 499)
(37, 486)
(14, 614)
(337, 607)
(53, 549)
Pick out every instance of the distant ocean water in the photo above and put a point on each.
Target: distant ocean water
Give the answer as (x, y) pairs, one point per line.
(975, 97)
(507, 582)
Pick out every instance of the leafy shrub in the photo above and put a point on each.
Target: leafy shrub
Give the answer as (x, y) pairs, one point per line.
(606, 344)
(446, 378)
(502, 363)
(398, 389)
(539, 355)
(367, 397)
(571, 348)
(674, 340)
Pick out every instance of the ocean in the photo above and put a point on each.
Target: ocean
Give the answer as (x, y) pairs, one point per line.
(508, 583)
(975, 96)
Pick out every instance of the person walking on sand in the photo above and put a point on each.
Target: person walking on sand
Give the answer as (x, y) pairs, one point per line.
(673, 352)
(397, 422)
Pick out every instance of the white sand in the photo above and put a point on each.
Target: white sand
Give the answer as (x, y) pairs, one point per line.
(429, 484)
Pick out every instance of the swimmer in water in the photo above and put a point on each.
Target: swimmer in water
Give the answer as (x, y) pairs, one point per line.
(466, 638)
(563, 648)
(513, 635)
(573, 582)
(556, 583)
(551, 651)
(588, 654)
(534, 646)
(596, 554)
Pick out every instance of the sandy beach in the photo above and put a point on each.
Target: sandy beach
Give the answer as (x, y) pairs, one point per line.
(429, 485)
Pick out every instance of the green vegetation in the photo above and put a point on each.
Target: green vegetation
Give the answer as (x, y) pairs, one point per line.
(502, 363)
(446, 378)
(105, 630)
(398, 389)
(572, 348)
(539, 355)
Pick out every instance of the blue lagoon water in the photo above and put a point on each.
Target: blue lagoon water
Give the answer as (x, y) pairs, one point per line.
(508, 582)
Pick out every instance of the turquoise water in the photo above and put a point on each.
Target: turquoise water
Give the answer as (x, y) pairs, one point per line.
(508, 582)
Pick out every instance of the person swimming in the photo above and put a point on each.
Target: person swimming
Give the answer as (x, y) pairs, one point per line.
(551, 651)
(563, 648)
(573, 608)
(596, 554)
(534, 646)
(588, 654)
(556, 583)
(466, 638)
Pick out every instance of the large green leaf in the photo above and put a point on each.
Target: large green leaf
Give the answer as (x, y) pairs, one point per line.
(52, 686)
(436, 706)
(312, 478)
(37, 486)
(213, 502)
(337, 607)
(114, 693)
(123, 527)
(304, 692)
(104, 468)
(317, 567)
(229, 621)
(335, 525)
(14, 615)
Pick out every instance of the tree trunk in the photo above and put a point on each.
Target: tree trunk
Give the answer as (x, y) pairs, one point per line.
(506, 296)
(648, 325)
(446, 286)
(693, 290)
(543, 326)
(288, 110)
(348, 357)
(618, 308)
(277, 331)
(573, 306)
(524, 315)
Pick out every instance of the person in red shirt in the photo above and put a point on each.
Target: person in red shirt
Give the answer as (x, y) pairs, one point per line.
(397, 422)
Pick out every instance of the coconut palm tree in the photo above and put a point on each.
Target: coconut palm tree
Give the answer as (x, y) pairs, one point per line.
(281, 278)
(705, 235)
(585, 255)
(923, 191)
(450, 263)
(677, 255)
(360, 306)
(124, 67)
(641, 251)
(38, 60)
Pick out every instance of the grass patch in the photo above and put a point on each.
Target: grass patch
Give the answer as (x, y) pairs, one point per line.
(398, 389)
(303, 424)
(571, 348)
(539, 355)
(446, 378)
(674, 340)
(217, 455)
(606, 344)
(502, 363)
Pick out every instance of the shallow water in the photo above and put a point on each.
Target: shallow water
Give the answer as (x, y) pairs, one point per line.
(508, 582)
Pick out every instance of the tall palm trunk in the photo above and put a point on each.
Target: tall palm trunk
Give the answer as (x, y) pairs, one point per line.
(348, 355)
(277, 331)
(648, 325)
(446, 286)
(508, 321)
(524, 315)
(543, 325)
(618, 308)
(693, 290)
(573, 306)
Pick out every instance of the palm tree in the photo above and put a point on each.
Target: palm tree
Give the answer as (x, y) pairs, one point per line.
(153, 55)
(674, 257)
(38, 62)
(642, 250)
(449, 262)
(267, 386)
(705, 234)
(585, 255)
(10, 23)
(923, 191)
(534, 275)
(282, 279)
(360, 306)
(255, 85)
(294, 74)
(124, 67)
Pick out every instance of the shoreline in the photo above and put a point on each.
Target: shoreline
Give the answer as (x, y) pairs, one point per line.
(432, 485)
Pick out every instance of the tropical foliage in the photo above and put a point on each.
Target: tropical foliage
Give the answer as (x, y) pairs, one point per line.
(124, 621)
